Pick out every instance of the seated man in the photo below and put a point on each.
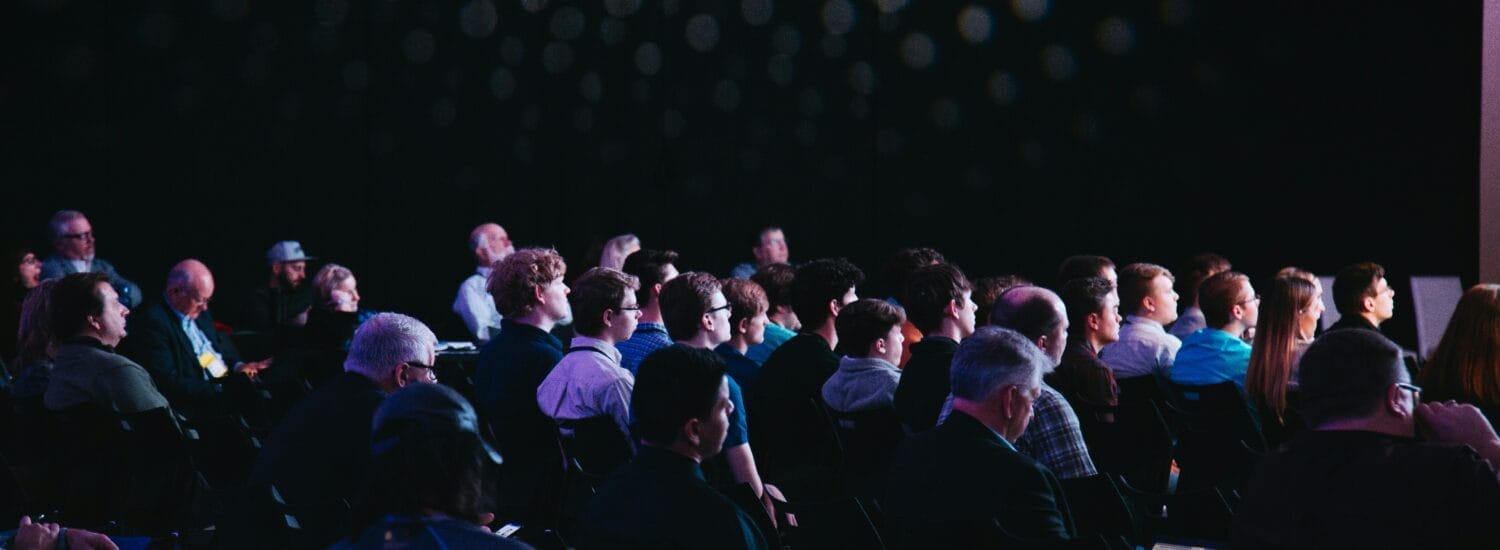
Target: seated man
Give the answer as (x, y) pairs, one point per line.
(175, 339)
(1197, 269)
(660, 498)
(776, 281)
(963, 477)
(285, 301)
(1054, 438)
(1219, 353)
(870, 330)
(653, 268)
(770, 248)
(897, 272)
(1093, 322)
(589, 382)
(1149, 304)
(73, 241)
(748, 326)
(489, 243)
(939, 302)
(1363, 297)
(89, 320)
(321, 450)
(1084, 266)
(1360, 478)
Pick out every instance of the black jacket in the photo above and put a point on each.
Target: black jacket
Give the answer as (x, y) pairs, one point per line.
(156, 340)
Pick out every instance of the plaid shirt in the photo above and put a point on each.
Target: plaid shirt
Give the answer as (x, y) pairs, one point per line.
(648, 337)
(1054, 438)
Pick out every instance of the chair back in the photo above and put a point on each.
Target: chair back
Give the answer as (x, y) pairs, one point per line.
(869, 440)
(1433, 300)
(1331, 313)
(594, 445)
(1219, 430)
(1099, 509)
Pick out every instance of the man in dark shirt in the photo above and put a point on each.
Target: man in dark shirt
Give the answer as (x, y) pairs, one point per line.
(531, 297)
(660, 499)
(1359, 478)
(939, 302)
(1363, 297)
(965, 475)
(285, 301)
(88, 316)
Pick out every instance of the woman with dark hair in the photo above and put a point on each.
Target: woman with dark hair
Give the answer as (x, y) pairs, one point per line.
(1465, 367)
(1289, 313)
(32, 363)
(25, 275)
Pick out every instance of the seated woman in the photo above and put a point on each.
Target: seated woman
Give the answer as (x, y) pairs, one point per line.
(24, 277)
(1465, 367)
(33, 361)
(331, 323)
(1289, 314)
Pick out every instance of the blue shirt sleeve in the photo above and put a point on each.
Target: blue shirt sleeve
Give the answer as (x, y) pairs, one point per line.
(739, 429)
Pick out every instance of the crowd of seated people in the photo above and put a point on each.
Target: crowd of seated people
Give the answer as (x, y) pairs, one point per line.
(643, 406)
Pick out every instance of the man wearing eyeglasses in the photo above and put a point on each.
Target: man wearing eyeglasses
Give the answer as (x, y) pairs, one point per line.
(73, 244)
(1363, 297)
(1219, 353)
(589, 382)
(1378, 469)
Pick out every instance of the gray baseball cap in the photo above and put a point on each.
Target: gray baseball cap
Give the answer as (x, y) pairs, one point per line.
(432, 408)
(286, 251)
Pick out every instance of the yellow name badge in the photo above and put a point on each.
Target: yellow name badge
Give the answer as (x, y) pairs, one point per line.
(213, 364)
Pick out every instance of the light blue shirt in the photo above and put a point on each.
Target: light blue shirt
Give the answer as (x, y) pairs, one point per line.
(196, 336)
(1143, 348)
(776, 335)
(1211, 356)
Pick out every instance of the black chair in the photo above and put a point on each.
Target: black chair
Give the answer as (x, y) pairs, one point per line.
(165, 490)
(1200, 516)
(1218, 429)
(1099, 509)
(39, 456)
(1137, 445)
(93, 476)
(258, 517)
(14, 502)
(987, 534)
(869, 440)
(839, 523)
(813, 473)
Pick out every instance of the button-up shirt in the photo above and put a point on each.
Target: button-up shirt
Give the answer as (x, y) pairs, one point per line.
(477, 307)
(1211, 356)
(648, 337)
(1054, 437)
(586, 383)
(1144, 348)
(199, 340)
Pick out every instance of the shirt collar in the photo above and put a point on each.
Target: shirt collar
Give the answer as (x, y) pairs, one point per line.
(651, 327)
(1138, 320)
(597, 344)
(181, 317)
(484, 271)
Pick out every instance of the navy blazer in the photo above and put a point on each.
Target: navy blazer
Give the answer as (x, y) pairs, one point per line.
(156, 340)
(55, 267)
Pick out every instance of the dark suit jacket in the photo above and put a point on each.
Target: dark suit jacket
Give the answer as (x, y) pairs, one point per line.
(55, 267)
(156, 340)
(511, 367)
(963, 472)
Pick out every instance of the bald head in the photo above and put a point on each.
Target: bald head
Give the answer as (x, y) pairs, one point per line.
(1036, 313)
(490, 243)
(190, 285)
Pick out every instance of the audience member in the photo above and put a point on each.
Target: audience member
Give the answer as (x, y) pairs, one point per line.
(1196, 270)
(331, 324)
(27, 276)
(285, 301)
(653, 268)
(897, 272)
(938, 302)
(987, 289)
(320, 452)
(1085, 266)
(1219, 353)
(660, 499)
(529, 291)
(1054, 437)
(870, 334)
(88, 317)
(617, 249)
(412, 504)
(73, 252)
(1359, 478)
(489, 243)
(1466, 364)
(175, 339)
(1093, 322)
(747, 328)
(1363, 297)
(964, 479)
(1149, 304)
(588, 381)
(770, 248)
(37, 349)
(1288, 316)
(776, 281)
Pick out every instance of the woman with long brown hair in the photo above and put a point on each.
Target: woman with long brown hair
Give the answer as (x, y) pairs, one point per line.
(1289, 314)
(1465, 367)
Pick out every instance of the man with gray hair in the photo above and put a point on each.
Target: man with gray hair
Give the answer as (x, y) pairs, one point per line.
(489, 243)
(321, 449)
(73, 245)
(964, 481)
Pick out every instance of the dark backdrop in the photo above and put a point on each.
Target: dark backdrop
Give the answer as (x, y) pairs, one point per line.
(1007, 134)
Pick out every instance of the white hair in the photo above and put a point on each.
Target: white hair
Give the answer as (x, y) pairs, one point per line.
(60, 221)
(387, 340)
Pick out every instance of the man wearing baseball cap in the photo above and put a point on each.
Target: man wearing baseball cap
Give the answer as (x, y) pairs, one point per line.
(285, 300)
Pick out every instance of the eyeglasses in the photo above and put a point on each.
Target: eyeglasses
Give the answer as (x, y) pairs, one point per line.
(431, 373)
(1413, 388)
(1255, 298)
(724, 307)
(629, 308)
(84, 236)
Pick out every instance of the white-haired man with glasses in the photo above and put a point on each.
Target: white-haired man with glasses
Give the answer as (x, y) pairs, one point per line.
(73, 246)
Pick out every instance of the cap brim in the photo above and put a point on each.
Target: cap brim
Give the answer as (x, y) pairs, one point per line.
(493, 454)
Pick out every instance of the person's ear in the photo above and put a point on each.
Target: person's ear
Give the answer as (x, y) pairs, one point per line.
(879, 346)
(1393, 401)
(1094, 321)
(400, 375)
(1041, 342)
(833, 307)
(1368, 302)
(94, 322)
(952, 310)
(690, 431)
(656, 289)
(1148, 304)
(604, 315)
(743, 327)
(538, 292)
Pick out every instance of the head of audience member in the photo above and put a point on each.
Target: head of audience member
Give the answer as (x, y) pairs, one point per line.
(1466, 364)
(996, 376)
(1146, 291)
(1082, 266)
(1093, 311)
(28, 271)
(393, 350)
(1196, 270)
(72, 235)
(604, 305)
(617, 249)
(528, 288)
(490, 243)
(1307, 317)
(907, 261)
(776, 281)
(288, 265)
(190, 286)
(1229, 303)
(1036, 313)
(939, 301)
(1360, 290)
(871, 328)
(1355, 379)
(770, 247)
(822, 288)
(415, 430)
(695, 310)
(654, 268)
(85, 304)
(747, 312)
(34, 341)
(337, 288)
(681, 402)
(1284, 311)
(987, 289)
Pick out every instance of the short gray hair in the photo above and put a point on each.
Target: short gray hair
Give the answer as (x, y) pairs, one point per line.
(61, 219)
(387, 340)
(992, 358)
